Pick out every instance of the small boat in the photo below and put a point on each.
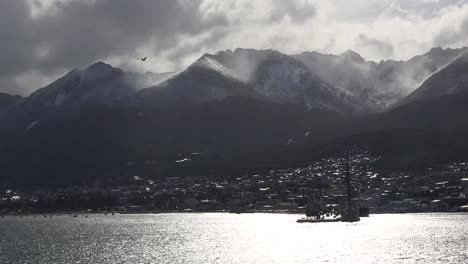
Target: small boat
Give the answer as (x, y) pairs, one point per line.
(336, 218)
(237, 211)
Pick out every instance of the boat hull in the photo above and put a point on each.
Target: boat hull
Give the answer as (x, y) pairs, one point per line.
(318, 221)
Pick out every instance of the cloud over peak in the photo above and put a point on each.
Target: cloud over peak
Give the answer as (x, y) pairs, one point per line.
(41, 39)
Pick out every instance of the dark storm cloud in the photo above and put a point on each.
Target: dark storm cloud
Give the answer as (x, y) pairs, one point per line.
(298, 12)
(190, 49)
(80, 32)
(16, 36)
(39, 46)
(107, 27)
(77, 33)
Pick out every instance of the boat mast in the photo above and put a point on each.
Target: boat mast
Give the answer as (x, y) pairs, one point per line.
(348, 183)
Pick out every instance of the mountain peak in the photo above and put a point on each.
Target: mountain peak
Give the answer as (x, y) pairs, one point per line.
(352, 55)
(437, 50)
(99, 66)
(99, 70)
(208, 61)
(441, 52)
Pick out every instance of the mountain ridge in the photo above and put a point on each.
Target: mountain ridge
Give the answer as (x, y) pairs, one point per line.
(451, 79)
(378, 85)
(270, 75)
(246, 105)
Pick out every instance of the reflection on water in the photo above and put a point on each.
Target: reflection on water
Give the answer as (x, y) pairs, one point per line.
(230, 238)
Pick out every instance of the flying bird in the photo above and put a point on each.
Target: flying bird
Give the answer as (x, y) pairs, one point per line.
(142, 59)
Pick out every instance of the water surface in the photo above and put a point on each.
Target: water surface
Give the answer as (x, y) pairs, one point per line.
(230, 238)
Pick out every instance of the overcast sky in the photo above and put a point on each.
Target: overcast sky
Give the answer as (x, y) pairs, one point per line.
(43, 39)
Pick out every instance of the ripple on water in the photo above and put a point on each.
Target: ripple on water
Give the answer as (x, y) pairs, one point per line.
(230, 238)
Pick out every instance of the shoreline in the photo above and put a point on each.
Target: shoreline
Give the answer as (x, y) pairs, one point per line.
(53, 214)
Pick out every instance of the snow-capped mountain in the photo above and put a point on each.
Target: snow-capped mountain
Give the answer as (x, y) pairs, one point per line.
(98, 84)
(405, 76)
(450, 80)
(265, 74)
(345, 83)
(348, 71)
(377, 85)
(204, 81)
(282, 78)
(239, 102)
(96, 87)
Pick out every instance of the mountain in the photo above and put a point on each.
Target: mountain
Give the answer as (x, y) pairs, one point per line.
(377, 85)
(98, 84)
(206, 80)
(237, 111)
(98, 142)
(427, 127)
(450, 80)
(7, 101)
(262, 74)
(438, 104)
(90, 123)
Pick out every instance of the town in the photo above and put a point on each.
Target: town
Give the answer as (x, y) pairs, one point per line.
(441, 189)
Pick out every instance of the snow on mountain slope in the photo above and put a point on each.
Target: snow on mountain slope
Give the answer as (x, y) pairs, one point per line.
(404, 77)
(451, 79)
(203, 81)
(348, 70)
(210, 63)
(265, 74)
(376, 85)
(98, 84)
(282, 78)
(345, 83)
(285, 79)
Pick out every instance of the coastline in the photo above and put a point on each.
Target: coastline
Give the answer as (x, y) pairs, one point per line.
(274, 212)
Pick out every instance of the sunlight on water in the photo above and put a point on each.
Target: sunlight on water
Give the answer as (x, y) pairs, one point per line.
(230, 238)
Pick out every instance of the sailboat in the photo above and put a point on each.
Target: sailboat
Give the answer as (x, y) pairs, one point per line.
(349, 210)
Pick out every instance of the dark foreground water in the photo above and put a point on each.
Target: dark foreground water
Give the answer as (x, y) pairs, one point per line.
(229, 238)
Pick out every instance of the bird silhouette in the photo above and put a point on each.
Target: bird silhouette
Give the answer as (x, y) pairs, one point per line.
(142, 59)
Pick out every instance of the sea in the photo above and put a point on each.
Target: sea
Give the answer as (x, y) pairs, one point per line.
(233, 238)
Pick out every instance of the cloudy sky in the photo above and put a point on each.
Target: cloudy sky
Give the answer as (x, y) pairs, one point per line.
(43, 39)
